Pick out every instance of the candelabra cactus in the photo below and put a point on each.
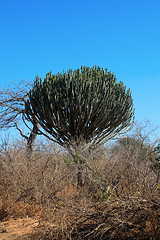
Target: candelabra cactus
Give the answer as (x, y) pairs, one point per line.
(85, 105)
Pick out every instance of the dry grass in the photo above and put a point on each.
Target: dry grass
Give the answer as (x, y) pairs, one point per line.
(120, 198)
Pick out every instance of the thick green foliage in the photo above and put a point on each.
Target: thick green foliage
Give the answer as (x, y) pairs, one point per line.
(82, 105)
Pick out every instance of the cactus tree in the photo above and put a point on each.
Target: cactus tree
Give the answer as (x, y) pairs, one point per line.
(86, 105)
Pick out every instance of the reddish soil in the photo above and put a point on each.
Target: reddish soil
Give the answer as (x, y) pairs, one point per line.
(12, 229)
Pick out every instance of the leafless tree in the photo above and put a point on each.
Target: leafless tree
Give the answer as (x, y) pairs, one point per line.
(12, 107)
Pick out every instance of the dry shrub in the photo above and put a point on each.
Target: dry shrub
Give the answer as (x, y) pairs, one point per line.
(35, 182)
(113, 219)
(119, 200)
(127, 169)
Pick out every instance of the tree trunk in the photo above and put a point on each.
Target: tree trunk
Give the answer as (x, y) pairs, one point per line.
(31, 141)
(80, 181)
(80, 174)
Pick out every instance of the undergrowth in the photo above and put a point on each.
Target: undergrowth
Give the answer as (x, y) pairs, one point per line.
(119, 199)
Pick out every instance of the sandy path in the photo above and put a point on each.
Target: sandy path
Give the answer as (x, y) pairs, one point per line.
(12, 229)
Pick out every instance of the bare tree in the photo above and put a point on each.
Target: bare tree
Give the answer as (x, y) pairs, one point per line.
(12, 107)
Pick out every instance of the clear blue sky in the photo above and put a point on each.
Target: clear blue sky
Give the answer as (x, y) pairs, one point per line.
(122, 35)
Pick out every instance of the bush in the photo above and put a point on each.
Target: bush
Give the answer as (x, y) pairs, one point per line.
(119, 200)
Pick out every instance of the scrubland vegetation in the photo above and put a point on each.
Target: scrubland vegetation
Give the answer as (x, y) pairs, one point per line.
(118, 200)
(78, 181)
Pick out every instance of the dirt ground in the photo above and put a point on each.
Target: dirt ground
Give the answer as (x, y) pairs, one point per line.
(13, 229)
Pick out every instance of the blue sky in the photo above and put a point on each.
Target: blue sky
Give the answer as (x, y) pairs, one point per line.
(123, 36)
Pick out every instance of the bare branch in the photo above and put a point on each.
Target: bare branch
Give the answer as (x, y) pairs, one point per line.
(23, 135)
(12, 105)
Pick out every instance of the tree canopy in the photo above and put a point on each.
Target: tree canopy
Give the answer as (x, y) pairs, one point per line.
(86, 104)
